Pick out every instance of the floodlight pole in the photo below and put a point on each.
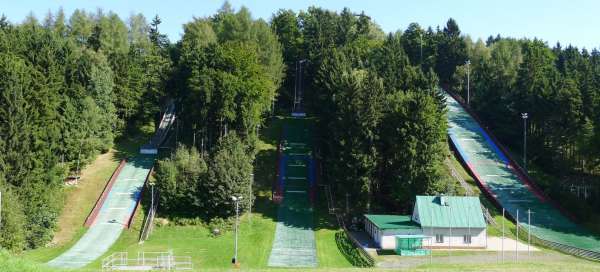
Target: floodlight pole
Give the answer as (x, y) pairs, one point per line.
(468, 82)
(503, 234)
(237, 208)
(517, 242)
(469, 225)
(450, 237)
(298, 85)
(347, 204)
(528, 232)
(524, 116)
(431, 238)
(250, 198)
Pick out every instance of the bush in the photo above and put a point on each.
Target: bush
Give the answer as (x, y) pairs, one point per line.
(12, 226)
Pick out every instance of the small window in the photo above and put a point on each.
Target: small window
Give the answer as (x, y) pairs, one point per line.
(439, 238)
(467, 239)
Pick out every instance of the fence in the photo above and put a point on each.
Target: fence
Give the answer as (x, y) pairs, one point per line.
(535, 240)
(365, 256)
(148, 224)
(120, 261)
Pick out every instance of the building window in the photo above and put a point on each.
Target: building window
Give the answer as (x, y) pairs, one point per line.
(467, 239)
(439, 238)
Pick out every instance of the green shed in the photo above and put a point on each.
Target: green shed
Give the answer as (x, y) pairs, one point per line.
(411, 245)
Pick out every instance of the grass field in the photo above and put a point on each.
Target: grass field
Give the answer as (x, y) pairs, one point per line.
(257, 231)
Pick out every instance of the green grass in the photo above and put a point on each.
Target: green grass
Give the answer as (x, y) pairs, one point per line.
(214, 253)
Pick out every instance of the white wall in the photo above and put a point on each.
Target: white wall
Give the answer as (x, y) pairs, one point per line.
(478, 237)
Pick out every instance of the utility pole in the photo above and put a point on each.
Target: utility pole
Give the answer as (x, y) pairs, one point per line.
(234, 261)
(524, 116)
(468, 82)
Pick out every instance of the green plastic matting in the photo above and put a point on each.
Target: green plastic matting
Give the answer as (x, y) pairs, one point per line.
(112, 218)
(496, 174)
(294, 243)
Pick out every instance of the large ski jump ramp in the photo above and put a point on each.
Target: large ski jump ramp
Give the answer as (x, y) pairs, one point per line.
(500, 179)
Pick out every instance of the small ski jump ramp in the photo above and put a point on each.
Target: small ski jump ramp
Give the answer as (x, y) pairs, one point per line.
(112, 218)
(118, 205)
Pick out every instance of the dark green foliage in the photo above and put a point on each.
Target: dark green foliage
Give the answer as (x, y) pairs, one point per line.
(385, 125)
(190, 187)
(13, 220)
(414, 145)
(62, 87)
(451, 51)
(229, 174)
(178, 180)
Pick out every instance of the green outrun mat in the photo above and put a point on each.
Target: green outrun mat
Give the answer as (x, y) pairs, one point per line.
(294, 243)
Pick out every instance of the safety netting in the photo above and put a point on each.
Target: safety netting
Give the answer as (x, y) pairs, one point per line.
(501, 180)
(294, 243)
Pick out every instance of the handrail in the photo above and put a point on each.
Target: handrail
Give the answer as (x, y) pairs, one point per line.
(149, 219)
(368, 258)
(579, 252)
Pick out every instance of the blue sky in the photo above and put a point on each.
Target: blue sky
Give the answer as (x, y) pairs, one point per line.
(570, 22)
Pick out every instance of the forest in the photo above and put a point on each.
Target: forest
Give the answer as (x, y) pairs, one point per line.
(71, 87)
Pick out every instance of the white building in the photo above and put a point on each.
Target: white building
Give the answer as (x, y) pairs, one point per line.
(451, 221)
(445, 221)
(384, 228)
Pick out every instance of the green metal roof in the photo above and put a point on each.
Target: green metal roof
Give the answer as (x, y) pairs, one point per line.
(384, 221)
(460, 212)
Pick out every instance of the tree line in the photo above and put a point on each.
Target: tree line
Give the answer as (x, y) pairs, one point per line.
(68, 88)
